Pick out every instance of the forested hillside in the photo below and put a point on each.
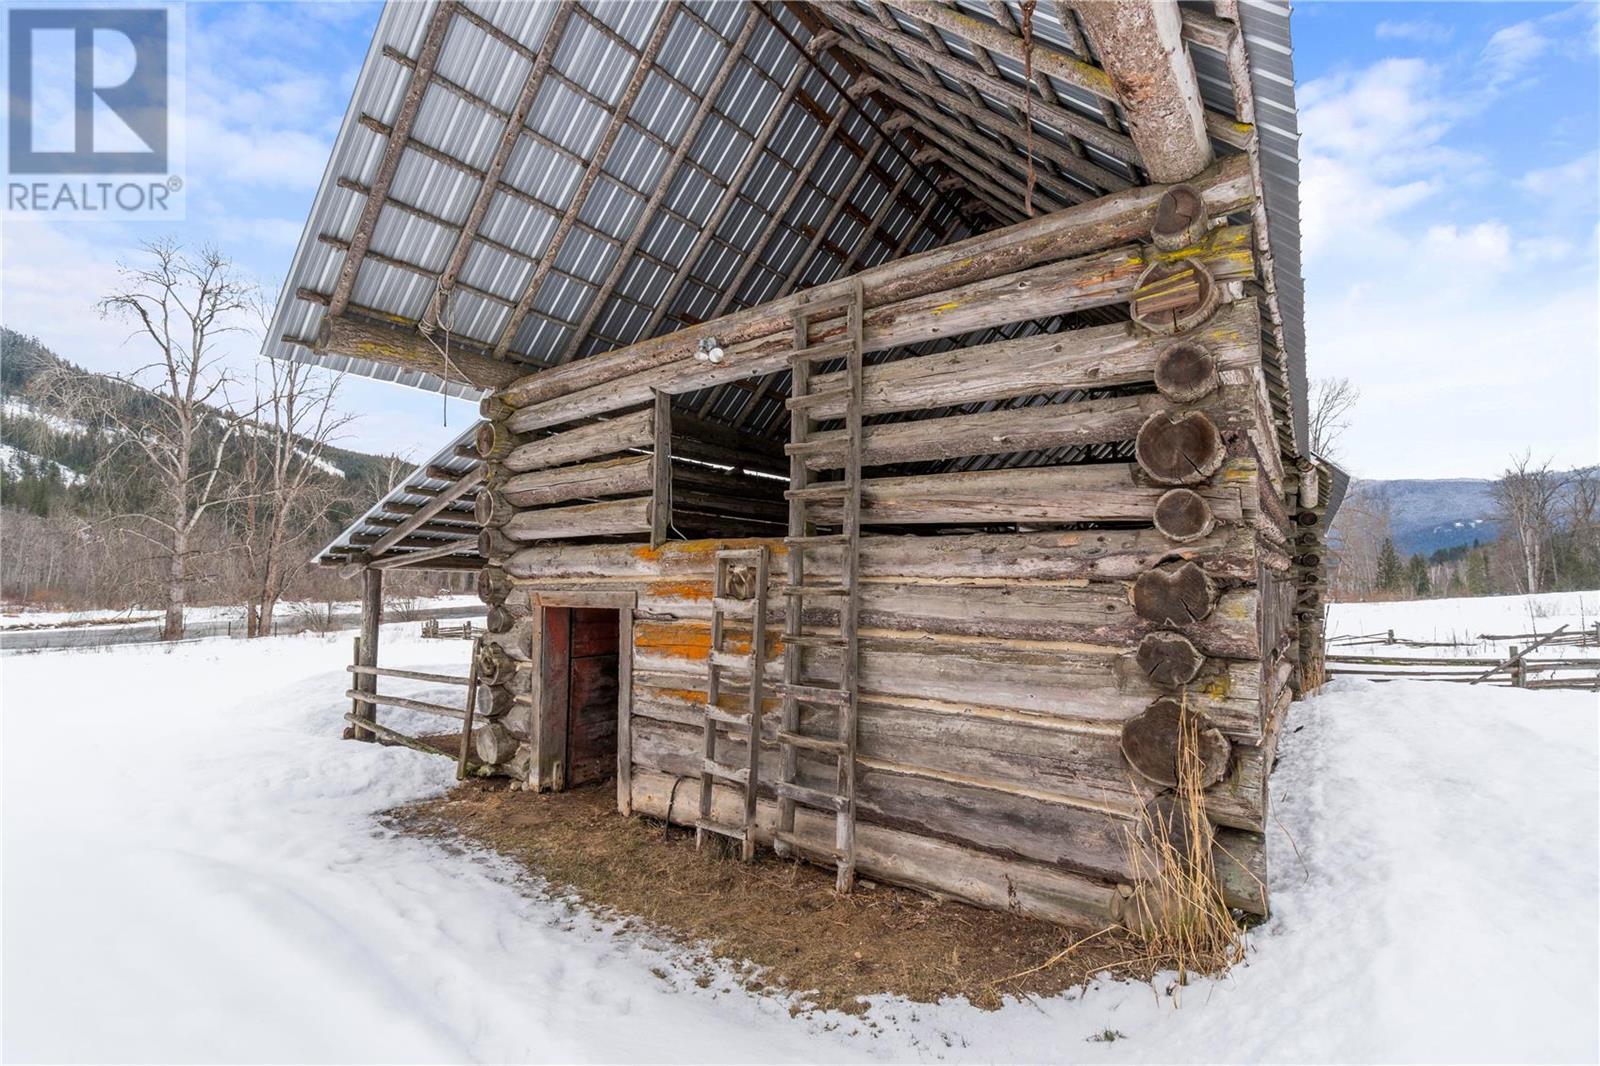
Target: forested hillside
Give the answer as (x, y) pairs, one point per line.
(78, 493)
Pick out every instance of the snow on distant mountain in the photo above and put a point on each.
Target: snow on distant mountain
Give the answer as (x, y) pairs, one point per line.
(1428, 515)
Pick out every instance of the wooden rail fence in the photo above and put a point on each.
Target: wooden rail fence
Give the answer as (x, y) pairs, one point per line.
(1517, 669)
(364, 706)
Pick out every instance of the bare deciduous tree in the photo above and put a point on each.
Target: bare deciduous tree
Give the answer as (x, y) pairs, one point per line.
(1332, 401)
(295, 425)
(180, 304)
(1527, 495)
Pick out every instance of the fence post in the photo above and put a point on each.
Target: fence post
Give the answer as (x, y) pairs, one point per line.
(1519, 676)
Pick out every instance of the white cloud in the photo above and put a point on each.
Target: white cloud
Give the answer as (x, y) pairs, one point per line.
(1422, 31)
(1466, 314)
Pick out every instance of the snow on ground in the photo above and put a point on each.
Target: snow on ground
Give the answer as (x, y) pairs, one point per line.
(193, 873)
(1465, 621)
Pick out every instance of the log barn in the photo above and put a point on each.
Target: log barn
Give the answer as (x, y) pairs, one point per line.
(893, 413)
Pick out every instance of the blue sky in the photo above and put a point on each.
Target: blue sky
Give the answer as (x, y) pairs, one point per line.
(1449, 204)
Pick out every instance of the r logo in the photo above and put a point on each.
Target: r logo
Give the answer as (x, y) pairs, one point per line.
(88, 91)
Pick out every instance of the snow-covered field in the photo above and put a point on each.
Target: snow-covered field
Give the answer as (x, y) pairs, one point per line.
(192, 872)
(1465, 621)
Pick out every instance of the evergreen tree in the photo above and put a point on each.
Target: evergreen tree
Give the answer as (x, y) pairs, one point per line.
(1478, 582)
(1389, 571)
(1417, 576)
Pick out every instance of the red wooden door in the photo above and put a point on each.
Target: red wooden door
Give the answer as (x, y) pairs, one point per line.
(592, 696)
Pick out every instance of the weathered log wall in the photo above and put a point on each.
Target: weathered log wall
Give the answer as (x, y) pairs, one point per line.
(1018, 688)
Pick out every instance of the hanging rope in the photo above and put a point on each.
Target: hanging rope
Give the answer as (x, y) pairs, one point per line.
(441, 311)
(1027, 98)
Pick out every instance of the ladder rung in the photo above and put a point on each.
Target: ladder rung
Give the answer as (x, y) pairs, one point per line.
(814, 640)
(740, 554)
(818, 446)
(809, 846)
(737, 608)
(728, 718)
(806, 401)
(734, 831)
(811, 797)
(837, 591)
(821, 540)
(826, 306)
(816, 694)
(825, 490)
(727, 660)
(811, 743)
(834, 349)
(737, 774)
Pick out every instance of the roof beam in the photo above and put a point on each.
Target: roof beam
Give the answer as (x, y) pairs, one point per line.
(399, 134)
(1069, 69)
(399, 344)
(512, 133)
(591, 175)
(1140, 43)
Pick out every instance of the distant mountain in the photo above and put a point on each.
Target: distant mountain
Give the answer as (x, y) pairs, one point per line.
(1425, 516)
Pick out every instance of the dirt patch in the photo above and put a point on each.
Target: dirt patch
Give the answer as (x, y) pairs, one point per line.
(783, 916)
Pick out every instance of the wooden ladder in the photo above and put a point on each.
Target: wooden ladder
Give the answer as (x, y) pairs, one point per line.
(753, 666)
(801, 594)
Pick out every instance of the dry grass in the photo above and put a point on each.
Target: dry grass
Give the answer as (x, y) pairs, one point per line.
(1180, 913)
(783, 917)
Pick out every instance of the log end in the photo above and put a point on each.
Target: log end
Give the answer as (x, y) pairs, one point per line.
(1151, 742)
(1186, 372)
(1183, 515)
(1174, 595)
(1179, 448)
(1169, 660)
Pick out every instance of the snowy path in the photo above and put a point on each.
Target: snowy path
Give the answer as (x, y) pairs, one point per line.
(191, 873)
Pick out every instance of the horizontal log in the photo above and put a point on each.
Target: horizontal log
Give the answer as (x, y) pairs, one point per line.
(1060, 679)
(628, 475)
(1226, 554)
(1057, 288)
(1240, 859)
(582, 520)
(399, 344)
(1097, 357)
(901, 858)
(1007, 821)
(1109, 220)
(1102, 492)
(633, 430)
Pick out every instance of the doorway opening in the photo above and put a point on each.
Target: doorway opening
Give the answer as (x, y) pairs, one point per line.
(581, 692)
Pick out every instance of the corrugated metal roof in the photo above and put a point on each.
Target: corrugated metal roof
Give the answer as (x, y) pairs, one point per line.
(703, 251)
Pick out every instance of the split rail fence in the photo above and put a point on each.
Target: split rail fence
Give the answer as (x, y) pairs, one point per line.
(1517, 669)
(365, 701)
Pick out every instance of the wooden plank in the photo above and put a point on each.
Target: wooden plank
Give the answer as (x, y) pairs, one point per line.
(661, 470)
(582, 520)
(425, 706)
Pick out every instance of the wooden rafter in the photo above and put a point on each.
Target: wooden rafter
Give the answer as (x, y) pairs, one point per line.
(685, 142)
(459, 487)
(390, 163)
(515, 123)
(591, 175)
(1067, 121)
(708, 230)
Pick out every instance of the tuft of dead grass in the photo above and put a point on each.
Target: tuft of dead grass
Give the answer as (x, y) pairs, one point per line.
(1179, 911)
